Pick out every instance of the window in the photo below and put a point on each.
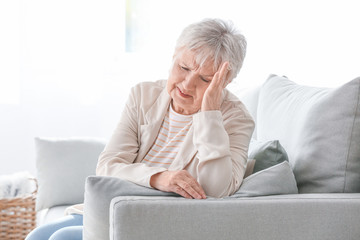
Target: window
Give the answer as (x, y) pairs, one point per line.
(66, 67)
(9, 52)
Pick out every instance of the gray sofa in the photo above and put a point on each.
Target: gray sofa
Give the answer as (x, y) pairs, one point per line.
(313, 195)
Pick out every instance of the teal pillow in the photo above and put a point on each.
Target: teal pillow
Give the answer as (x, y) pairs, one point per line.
(266, 154)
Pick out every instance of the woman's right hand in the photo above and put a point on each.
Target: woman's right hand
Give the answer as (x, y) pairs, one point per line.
(180, 182)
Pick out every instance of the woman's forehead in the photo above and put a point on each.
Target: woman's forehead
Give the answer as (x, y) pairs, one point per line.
(193, 61)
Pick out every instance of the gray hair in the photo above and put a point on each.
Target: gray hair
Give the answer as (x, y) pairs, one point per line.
(217, 40)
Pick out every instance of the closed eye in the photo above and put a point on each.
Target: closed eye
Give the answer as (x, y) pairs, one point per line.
(202, 78)
(184, 68)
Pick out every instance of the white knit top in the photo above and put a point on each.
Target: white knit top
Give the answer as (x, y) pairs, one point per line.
(172, 133)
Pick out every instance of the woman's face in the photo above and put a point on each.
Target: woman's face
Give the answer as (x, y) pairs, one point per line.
(188, 82)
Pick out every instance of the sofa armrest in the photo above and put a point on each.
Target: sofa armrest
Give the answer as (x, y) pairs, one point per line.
(305, 216)
(99, 191)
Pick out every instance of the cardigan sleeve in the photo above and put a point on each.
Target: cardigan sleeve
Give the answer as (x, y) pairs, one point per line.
(118, 157)
(222, 141)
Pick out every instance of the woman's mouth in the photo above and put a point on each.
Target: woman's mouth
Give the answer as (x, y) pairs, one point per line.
(184, 95)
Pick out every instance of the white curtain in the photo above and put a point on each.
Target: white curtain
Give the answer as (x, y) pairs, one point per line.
(66, 67)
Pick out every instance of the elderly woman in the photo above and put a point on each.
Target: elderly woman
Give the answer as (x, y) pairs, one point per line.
(187, 134)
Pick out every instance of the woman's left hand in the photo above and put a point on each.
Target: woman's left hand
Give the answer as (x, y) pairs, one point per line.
(212, 95)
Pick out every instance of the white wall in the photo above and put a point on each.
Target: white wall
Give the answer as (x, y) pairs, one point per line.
(64, 72)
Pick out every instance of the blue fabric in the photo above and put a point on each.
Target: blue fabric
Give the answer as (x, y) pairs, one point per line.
(66, 228)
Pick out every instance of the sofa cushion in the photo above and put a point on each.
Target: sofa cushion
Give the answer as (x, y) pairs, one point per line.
(266, 154)
(62, 166)
(320, 130)
(275, 180)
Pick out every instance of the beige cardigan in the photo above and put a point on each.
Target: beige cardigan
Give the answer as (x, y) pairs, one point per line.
(214, 151)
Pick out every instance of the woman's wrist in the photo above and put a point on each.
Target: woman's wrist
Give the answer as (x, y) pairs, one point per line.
(154, 179)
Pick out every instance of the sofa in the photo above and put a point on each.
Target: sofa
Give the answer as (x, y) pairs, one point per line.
(302, 179)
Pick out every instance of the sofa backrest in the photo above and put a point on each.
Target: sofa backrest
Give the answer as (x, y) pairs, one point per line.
(318, 127)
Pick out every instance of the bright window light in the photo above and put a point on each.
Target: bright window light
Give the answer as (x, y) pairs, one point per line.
(9, 52)
(66, 67)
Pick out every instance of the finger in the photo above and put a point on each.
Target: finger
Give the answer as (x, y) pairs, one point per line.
(179, 190)
(200, 190)
(224, 70)
(223, 73)
(190, 190)
(189, 184)
(227, 79)
(196, 185)
(192, 187)
(219, 78)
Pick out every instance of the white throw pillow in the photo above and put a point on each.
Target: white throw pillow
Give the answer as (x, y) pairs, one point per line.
(319, 129)
(62, 167)
(250, 98)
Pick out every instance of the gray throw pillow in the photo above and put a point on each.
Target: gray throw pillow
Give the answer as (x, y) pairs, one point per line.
(275, 180)
(266, 154)
(249, 167)
(318, 127)
(62, 166)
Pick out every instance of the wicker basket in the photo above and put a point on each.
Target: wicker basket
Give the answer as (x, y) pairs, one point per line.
(18, 216)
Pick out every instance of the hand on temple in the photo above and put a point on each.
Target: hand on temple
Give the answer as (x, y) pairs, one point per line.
(212, 95)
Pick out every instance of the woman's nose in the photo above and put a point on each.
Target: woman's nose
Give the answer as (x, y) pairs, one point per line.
(189, 82)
